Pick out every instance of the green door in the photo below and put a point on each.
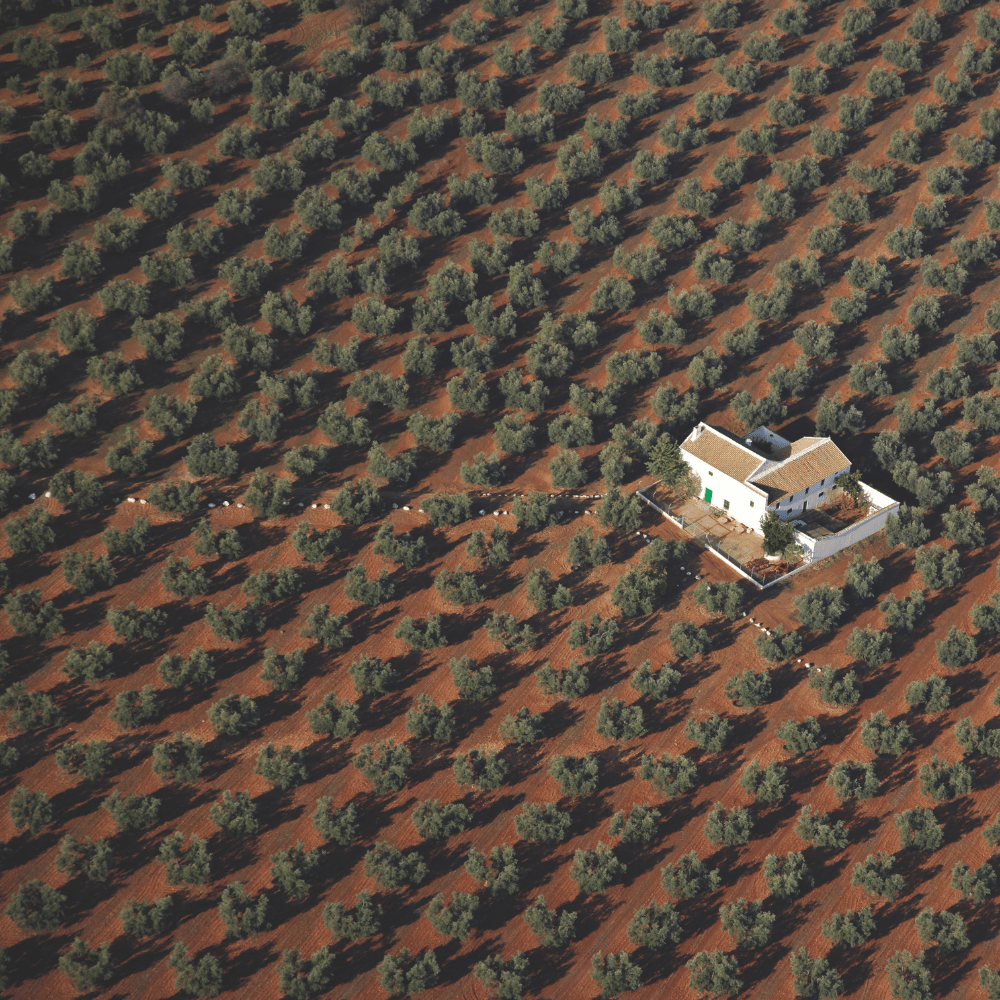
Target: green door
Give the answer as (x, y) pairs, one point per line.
(708, 495)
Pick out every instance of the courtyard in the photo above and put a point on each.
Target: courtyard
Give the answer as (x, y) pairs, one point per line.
(711, 526)
(739, 541)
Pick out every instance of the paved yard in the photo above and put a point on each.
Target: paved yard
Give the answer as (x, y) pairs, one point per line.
(738, 540)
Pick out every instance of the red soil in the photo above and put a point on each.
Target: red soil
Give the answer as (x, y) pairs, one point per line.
(249, 965)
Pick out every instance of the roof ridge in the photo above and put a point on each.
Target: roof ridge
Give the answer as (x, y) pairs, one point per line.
(816, 461)
(817, 442)
(732, 439)
(722, 451)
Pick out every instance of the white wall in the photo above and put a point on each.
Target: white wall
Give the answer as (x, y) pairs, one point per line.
(792, 505)
(876, 499)
(723, 487)
(821, 548)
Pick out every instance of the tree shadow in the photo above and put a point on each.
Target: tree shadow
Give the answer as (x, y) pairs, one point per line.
(500, 805)
(275, 808)
(550, 966)
(237, 970)
(640, 859)
(28, 964)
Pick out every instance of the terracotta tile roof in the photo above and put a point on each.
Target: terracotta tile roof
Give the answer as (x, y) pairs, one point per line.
(806, 465)
(723, 454)
(797, 447)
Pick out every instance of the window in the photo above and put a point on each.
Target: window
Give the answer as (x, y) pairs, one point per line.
(725, 505)
(822, 481)
(821, 494)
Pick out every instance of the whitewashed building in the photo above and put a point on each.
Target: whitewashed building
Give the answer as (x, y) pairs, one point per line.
(746, 477)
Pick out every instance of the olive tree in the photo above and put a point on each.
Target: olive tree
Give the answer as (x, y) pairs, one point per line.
(876, 877)
(730, 827)
(747, 923)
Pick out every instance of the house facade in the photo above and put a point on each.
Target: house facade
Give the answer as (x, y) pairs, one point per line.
(746, 477)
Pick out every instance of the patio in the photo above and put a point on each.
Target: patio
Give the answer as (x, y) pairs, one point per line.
(739, 541)
(819, 523)
(818, 532)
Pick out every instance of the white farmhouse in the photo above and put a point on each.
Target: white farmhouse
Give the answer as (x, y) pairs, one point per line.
(746, 477)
